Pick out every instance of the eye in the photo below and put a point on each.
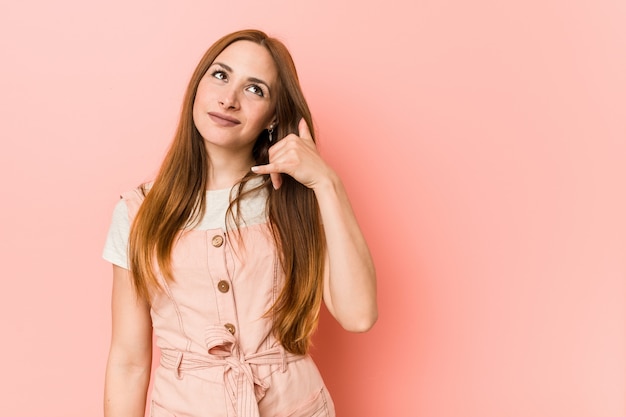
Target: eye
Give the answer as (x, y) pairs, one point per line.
(255, 89)
(219, 74)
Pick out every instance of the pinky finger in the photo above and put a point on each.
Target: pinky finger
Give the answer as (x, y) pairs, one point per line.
(277, 180)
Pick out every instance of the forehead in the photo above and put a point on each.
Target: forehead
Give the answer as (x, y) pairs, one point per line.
(249, 59)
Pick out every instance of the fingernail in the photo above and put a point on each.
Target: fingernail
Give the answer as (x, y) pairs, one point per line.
(254, 169)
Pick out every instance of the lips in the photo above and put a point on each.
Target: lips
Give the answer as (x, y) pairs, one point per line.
(223, 120)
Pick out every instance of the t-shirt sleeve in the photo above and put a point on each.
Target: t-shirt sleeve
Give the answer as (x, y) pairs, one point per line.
(116, 245)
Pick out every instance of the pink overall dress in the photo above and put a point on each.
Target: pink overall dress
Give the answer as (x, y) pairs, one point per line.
(218, 354)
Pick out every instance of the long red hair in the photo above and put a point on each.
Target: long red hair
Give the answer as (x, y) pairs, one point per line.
(177, 199)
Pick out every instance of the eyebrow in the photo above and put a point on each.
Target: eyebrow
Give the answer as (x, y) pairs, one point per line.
(251, 79)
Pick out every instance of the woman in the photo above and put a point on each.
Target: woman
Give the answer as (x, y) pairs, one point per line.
(232, 248)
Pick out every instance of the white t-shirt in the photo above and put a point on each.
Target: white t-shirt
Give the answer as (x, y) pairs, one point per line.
(253, 211)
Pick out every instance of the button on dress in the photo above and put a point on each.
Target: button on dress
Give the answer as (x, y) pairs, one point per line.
(219, 356)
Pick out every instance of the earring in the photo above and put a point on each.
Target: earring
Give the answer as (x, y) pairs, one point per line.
(270, 131)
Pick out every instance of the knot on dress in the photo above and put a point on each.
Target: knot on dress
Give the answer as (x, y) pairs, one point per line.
(244, 388)
(242, 385)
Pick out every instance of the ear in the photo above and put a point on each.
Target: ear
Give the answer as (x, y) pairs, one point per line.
(273, 124)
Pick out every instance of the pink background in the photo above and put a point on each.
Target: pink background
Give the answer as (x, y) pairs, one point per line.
(483, 144)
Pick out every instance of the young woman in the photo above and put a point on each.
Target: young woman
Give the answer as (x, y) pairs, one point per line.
(228, 254)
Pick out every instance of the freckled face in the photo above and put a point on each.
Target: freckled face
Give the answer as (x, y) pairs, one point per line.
(236, 98)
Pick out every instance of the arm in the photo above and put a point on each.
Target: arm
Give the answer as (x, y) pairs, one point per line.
(130, 355)
(350, 280)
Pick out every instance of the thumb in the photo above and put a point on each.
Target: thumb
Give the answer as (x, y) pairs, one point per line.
(303, 129)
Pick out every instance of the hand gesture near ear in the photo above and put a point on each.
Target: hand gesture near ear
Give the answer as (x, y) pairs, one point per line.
(350, 278)
(297, 156)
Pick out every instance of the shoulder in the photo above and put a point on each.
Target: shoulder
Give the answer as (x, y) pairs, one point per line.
(132, 199)
(116, 245)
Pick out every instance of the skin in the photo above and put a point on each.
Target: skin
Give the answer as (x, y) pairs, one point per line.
(239, 85)
(130, 354)
(350, 279)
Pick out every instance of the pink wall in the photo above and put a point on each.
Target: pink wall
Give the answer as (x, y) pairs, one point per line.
(483, 144)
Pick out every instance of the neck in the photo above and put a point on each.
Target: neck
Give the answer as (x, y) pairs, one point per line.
(227, 169)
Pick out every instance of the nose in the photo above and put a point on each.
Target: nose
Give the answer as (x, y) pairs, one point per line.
(229, 99)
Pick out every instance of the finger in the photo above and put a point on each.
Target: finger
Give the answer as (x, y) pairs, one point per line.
(263, 169)
(303, 130)
(277, 180)
(275, 176)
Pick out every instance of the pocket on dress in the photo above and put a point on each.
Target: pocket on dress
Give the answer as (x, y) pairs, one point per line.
(157, 411)
(320, 406)
(321, 412)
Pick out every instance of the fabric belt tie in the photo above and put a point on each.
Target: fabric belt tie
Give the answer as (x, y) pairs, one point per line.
(244, 388)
